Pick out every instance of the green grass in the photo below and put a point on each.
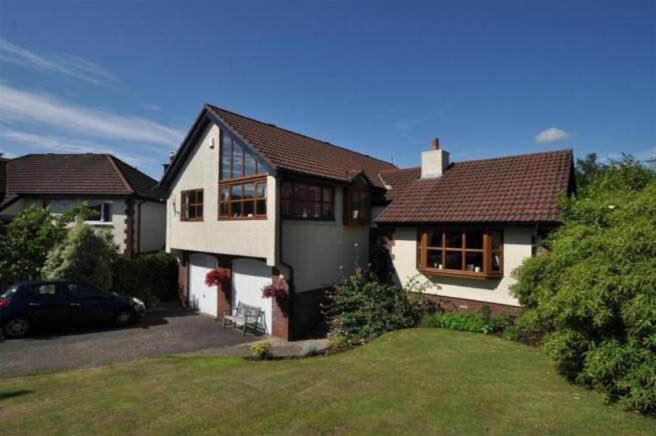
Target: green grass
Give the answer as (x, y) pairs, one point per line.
(413, 381)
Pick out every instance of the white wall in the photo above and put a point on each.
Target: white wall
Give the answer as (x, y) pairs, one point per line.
(252, 238)
(516, 248)
(14, 209)
(153, 226)
(320, 250)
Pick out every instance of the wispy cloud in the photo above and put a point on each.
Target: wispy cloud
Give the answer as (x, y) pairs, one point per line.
(551, 135)
(67, 65)
(66, 145)
(22, 106)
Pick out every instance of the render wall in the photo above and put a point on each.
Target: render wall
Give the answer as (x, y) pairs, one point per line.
(153, 227)
(516, 248)
(250, 238)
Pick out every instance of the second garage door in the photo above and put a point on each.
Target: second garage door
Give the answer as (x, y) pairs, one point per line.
(249, 276)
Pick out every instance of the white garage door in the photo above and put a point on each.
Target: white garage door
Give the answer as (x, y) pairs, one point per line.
(248, 278)
(202, 298)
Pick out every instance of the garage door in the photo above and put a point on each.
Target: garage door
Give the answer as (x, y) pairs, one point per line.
(248, 278)
(202, 297)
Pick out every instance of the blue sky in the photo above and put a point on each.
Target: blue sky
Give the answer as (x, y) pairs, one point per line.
(383, 78)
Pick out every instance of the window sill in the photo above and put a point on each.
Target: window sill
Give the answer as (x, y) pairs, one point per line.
(99, 223)
(434, 272)
(199, 220)
(242, 218)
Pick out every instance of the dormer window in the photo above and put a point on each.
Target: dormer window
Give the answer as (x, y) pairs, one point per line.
(357, 205)
(242, 181)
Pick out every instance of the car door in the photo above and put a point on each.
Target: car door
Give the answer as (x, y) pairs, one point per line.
(88, 304)
(47, 305)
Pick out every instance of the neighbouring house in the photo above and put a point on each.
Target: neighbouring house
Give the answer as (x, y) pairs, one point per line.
(266, 205)
(122, 195)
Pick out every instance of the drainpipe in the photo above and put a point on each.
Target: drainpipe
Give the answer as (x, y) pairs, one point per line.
(139, 225)
(290, 279)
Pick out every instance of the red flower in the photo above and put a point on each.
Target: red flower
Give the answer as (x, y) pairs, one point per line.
(216, 277)
(277, 290)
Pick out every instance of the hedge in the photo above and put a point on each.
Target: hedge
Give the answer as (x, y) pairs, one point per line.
(150, 277)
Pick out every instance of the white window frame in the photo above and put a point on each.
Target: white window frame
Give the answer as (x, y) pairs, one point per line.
(103, 206)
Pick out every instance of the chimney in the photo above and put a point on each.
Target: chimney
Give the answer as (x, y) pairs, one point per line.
(166, 165)
(434, 161)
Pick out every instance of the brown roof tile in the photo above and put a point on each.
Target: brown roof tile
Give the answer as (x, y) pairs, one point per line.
(301, 154)
(524, 188)
(74, 174)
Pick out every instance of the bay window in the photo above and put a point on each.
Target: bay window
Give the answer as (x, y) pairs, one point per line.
(242, 182)
(456, 251)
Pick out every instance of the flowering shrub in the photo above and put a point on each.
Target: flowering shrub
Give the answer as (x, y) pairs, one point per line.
(216, 277)
(276, 290)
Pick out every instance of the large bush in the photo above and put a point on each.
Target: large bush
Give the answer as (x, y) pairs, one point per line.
(151, 277)
(360, 308)
(86, 254)
(594, 294)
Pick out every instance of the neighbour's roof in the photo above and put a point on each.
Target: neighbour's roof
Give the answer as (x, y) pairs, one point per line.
(294, 152)
(523, 188)
(3, 178)
(74, 174)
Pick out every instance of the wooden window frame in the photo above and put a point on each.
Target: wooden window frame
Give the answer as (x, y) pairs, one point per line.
(259, 177)
(348, 206)
(184, 201)
(242, 181)
(487, 252)
(321, 202)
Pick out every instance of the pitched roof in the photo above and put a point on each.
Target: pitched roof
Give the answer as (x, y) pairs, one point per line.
(301, 154)
(74, 174)
(523, 188)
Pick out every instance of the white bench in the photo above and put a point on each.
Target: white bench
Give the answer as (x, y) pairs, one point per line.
(244, 316)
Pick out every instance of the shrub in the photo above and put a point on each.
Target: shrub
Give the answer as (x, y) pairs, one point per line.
(86, 254)
(481, 321)
(360, 308)
(261, 350)
(593, 296)
(150, 277)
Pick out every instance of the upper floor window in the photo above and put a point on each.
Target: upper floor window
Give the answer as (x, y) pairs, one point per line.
(243, 181)
(357, 206)
(192, 205)
(456, 251)
(306, 201)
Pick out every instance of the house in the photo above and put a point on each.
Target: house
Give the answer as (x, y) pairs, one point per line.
(122, 195)
(266, 205)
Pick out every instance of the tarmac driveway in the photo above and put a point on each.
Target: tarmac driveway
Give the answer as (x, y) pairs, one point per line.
(163, 331)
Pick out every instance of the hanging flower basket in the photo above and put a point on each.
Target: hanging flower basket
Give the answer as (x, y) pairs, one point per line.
(278, 290)
(216, 277)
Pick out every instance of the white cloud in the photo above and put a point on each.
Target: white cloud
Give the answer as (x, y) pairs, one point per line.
(551, 135)
(22, 106)
(67, 65)
(65, 145)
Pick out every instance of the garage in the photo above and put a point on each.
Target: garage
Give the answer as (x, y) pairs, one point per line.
(249, 276)
(202, 297)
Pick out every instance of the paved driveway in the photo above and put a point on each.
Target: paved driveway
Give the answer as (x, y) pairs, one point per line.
(163, 331)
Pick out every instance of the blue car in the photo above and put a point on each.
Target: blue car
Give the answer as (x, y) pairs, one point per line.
(50, 305)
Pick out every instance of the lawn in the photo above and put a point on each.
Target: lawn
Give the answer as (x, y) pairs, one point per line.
(413, 381)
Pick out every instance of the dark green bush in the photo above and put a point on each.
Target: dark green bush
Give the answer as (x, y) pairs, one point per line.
(593, 296)
(150, 277)
(361, 308)
(478, 322)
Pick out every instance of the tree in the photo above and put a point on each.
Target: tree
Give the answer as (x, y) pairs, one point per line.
(593, 296)
(85, 254)
(586, 169)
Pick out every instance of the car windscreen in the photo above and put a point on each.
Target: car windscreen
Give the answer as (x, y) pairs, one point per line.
(9, 293)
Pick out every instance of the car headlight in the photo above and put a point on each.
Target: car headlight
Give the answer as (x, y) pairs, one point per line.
(138, 302)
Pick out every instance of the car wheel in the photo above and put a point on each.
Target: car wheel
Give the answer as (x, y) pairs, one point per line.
(123, 318)
(17, 327)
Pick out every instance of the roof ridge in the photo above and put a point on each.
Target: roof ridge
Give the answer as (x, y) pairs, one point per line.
(131, 166)
(570, 150)
(299, 134)
(119, 172)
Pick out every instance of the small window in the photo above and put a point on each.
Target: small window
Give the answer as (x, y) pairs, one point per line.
(357, 206)
(101, 212)
(299, 200)
(192, 205)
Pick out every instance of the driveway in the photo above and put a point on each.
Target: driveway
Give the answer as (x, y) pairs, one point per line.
(163, 331)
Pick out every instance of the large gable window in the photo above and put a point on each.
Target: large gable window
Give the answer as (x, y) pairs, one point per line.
(456, 251)
(192, 205)
(300, 200)
(242, 182)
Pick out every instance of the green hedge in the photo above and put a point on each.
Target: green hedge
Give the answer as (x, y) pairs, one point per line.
(477, 322)
(150, 277)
